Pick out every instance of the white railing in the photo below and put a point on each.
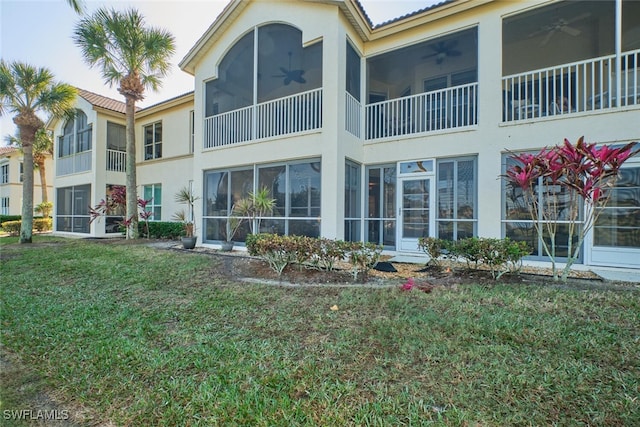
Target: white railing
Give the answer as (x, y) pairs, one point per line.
(116, 160)
(292, 114)
(296, 113)
(75, 163)
(580, 86)
(353, 112)
(228, 128)
(442, 109)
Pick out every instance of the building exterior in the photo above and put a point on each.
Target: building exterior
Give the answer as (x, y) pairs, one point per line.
(11, 181)
(393, 132)
(90, 159)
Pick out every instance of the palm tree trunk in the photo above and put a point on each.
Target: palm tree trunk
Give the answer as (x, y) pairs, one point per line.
(131, 180)
(27, 136)
(43, 179)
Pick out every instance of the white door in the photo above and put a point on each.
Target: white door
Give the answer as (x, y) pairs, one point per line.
(415, 212)
(616, 234)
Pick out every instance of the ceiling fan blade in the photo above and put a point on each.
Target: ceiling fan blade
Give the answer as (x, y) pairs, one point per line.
(454, 53)
(547, 38)
(578, 18)
(430, 56)
(571, 31)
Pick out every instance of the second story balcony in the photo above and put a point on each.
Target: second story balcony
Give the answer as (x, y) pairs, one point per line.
(292, 114)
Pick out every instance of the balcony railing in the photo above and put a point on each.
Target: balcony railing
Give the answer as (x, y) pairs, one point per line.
(437, 110)
(116, 160)
(581, 86)
(353, 112)
(75, 163)
(292, 114)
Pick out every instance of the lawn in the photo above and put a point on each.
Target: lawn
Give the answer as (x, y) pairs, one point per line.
(141, 336)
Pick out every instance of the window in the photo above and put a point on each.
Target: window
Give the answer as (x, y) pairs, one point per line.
(4, 206)
(516, 219)
(295, 186)
(353, 72)
(153, 141)
(352, 204)
(380, 210)
(153, 192)
(4, 174)
(21, 172)
(284, 68)
(116, 137)
(457, 190)
(72, 208)
(76, 136)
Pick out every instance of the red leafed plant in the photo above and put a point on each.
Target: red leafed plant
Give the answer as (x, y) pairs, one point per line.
(575, 181)
(115, 204)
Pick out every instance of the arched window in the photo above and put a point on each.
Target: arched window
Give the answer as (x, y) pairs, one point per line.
(284, 68)
(76, 136)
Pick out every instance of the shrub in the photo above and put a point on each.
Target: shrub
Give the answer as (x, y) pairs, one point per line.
(362, 257)
(5, 218)
(435, 248)
(277, 251)
(499, 255)
(162, 229)
(39, 224)
(42, 224)
(326, 253)
(469, 249)
(12, 227)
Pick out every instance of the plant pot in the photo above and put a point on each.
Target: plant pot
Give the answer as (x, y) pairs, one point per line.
(226, 246)
(189, 242)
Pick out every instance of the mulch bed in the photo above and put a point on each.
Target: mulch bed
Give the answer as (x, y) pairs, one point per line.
(239, 265)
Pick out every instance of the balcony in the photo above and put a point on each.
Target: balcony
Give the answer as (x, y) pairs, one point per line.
(293, 114)
(116, 160)
(450, 108)
(75, 163)
(577, 87)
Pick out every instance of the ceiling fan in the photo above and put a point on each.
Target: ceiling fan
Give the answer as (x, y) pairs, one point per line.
(290, 75)
(562, 25)
(443, 50)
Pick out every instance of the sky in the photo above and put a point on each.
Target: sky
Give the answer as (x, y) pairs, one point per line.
(39, 32)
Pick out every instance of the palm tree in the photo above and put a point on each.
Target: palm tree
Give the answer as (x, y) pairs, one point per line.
(26, 91)
(134, 57)
(77, 5)
(42, 146)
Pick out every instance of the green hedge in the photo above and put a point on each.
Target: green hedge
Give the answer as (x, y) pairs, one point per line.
(39, 224)
(162, 229)
(5, 218)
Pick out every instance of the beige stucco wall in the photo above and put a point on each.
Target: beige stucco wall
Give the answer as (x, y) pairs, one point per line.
(488, 140)
(13, 188)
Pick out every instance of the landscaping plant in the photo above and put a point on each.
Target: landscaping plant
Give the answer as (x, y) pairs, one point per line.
(585, 172)
(115, 202)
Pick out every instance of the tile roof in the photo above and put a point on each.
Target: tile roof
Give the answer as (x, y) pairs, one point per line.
(7, 150)
(400, 18)
(102, 101)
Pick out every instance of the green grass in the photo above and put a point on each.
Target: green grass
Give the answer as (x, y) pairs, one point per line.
(150, 337)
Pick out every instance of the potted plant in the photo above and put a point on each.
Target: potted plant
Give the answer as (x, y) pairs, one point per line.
(233, 224)
(185, 196)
